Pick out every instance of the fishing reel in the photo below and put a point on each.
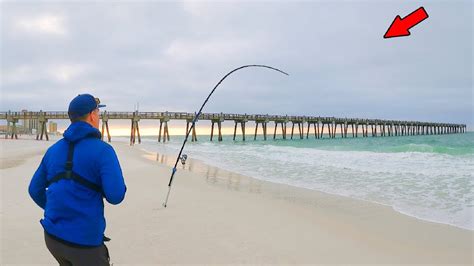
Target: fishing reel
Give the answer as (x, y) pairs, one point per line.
(183, 159)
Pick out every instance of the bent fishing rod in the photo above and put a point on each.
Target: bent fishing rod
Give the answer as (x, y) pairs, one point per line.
(183, 158)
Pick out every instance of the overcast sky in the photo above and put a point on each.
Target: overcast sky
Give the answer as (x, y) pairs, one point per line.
(168, 56)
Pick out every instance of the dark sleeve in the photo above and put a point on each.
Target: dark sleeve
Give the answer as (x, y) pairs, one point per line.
(38, 184)
(113, 184)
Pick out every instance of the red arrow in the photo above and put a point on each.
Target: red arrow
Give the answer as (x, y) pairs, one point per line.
(401, 26)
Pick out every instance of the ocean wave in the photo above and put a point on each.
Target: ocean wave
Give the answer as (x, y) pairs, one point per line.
(424, 180)
(426, 148)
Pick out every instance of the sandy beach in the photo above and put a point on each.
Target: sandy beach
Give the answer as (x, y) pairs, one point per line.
(218, 217)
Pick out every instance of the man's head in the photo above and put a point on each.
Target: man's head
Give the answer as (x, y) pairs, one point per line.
(84, 107)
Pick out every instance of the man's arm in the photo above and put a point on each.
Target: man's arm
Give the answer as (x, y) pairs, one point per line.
(38, 184)
(113, 184)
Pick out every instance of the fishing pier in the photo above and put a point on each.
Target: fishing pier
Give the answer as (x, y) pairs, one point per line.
(317, 127)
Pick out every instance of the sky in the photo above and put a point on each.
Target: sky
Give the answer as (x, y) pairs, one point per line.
(167, 56)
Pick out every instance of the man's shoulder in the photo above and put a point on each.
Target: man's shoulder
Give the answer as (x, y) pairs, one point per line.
(54, 150)
(94, 143)
(56, 145)
(101, 145)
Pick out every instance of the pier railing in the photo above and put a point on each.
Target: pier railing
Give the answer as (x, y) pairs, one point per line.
(372, 127)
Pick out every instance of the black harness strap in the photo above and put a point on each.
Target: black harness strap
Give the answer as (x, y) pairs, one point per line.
(69, 174)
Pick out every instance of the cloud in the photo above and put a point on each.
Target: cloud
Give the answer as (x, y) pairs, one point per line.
(208, 49)
(16, 75)
(42, 24)
(53, 73)
(169, 55)
(203, 9)
(66, 72)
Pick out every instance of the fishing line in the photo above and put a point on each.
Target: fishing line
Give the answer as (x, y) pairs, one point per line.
(184, 157)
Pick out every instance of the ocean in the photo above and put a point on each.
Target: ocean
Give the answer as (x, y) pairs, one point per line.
(429, 177)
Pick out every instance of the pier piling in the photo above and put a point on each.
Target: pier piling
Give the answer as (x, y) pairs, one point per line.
(105, 123)
(378, 127)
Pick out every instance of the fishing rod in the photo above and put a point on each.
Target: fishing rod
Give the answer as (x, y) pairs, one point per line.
(184, 157)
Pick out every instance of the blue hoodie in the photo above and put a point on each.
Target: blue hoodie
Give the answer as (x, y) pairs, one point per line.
(73, 212)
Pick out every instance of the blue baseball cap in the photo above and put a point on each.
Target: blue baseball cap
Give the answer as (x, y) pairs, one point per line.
(83, 104)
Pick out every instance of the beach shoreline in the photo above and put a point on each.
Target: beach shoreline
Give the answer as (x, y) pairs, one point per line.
(202, 168)
(226, 218)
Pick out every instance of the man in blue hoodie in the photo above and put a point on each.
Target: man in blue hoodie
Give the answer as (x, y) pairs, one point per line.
(73, 178)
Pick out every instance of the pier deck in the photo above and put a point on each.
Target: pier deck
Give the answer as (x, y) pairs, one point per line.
(372, 127)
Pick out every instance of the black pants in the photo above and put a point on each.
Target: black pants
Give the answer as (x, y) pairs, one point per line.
(69, 255)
